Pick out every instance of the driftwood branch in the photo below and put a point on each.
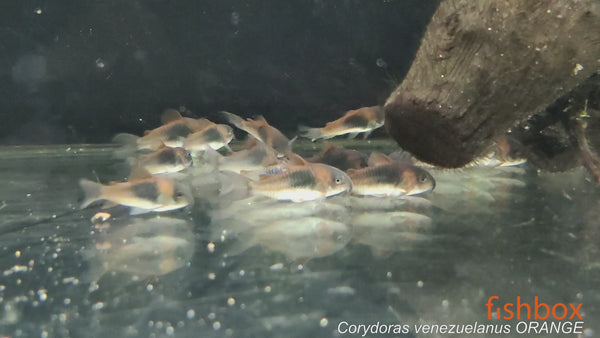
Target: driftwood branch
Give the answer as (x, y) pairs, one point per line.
(485, 65)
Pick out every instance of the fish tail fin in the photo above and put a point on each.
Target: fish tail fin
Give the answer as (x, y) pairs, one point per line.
(233, 119)
(236, 235)
(125, 139)
(95, 267)
(233, 187)
(128, 143)
(92, 192)
(310, 133)
(242, 243)
(208, 158)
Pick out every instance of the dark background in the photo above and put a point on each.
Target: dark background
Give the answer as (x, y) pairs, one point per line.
(81, 71)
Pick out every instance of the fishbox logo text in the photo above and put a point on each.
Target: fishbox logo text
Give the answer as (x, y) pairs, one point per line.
(537, 310)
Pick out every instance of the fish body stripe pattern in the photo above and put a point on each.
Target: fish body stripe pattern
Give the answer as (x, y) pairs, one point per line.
(146, 190)
(301, 178)
(384, 174)
(355, 121)
(178, 130)
(212, 134)
(263, 134)
(167, 156)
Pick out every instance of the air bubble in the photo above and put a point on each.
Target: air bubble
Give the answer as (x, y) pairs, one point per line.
(100, 63)
(190, 314)
(323, 322)
(235, 18)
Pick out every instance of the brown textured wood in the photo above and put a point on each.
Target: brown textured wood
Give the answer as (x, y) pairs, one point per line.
(483, 66)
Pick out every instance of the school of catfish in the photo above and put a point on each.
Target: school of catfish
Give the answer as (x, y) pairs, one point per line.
(266, 195)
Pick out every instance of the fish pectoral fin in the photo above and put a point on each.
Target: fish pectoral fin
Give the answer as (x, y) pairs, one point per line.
(109, 204)
(233, 119)
(170, 115)
(352, 135)
(138, 211)
(366, 134)
(321, 199)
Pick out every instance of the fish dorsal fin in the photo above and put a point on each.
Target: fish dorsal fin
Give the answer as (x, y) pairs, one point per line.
(401, 156)
(290, 142)
(294, 159)
(200, 124)
(251, 142)
(328, 148)
(270, 171)
(169, 116)
(261, 119)
(379, 113)
(233, 119)
(138, 173)
(377, 158)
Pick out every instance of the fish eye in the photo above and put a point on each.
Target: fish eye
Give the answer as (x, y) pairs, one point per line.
(338, 180)
(422, 178)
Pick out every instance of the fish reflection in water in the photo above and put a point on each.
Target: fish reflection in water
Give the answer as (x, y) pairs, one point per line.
(386, 232)
(301, 238)
(298, 230)
(257, 211)
(316, 229)
(383, 224)
(143, 248)
(476, 189)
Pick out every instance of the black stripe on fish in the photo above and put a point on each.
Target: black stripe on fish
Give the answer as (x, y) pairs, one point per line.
(146, 190)
(212, 134)
(262, 133)
(167, 156)
(356, 121)
(385, 174)
(301, 178)
(178, 130)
